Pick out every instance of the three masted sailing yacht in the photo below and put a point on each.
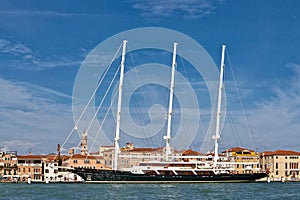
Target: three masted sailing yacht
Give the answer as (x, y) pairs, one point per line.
(183, 169)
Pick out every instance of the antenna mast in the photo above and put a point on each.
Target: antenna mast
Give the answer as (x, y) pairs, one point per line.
(117, 136)
(216, 137)
(169, 116)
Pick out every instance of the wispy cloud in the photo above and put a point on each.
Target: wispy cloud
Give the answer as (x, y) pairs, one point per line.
(24, 147)
(28, 59)
(41, 65)
(175, 8)
(14, 48)
(32, 117)
(276, 120)
(273, 120)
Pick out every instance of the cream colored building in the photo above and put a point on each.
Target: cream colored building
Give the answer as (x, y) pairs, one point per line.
(282, 164)
(8, 166)
(131, 156)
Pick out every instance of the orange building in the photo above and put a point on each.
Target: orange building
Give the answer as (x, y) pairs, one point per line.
(31, 166)
(246, 160)
(84, 161)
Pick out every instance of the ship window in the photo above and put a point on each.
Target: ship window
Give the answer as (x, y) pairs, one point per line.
(37, 161)
(21, 161)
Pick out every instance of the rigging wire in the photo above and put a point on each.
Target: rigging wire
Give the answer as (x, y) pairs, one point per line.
(91, 98)
(104, 119)
(234, 130)
(208, 144)
(104, 97)
(249, 129)
(185, 126)
(140, 119)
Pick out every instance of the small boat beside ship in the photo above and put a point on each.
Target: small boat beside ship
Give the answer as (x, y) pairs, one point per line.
(196, 169)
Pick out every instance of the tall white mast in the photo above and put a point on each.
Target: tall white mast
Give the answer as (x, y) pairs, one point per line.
(117, 136)
(216, 137)
(169, 116)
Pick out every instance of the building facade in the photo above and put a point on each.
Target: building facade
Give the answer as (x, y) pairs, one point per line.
(282, 164)
(31, 167)
(84, 161)
(131, 156)
(8, 166)
(246, 160)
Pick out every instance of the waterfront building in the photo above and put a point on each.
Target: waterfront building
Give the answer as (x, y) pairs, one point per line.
(131, 156)
(30, 166)
(282, 164)
(8, 166)
(107, 156)
(84, 161)
(190, 153)
(54, 172)
(246, 160)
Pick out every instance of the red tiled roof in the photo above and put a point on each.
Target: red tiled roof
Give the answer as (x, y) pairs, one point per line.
(190, 152)
(145, 149)
(280, 153)
(55, 157)
(95, 153)
(85, 156)
(237, 149)
(29, 157)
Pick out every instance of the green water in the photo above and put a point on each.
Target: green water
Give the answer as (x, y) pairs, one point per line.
(282, 191)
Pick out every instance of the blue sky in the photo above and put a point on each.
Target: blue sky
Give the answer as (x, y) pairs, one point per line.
(43, 44)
